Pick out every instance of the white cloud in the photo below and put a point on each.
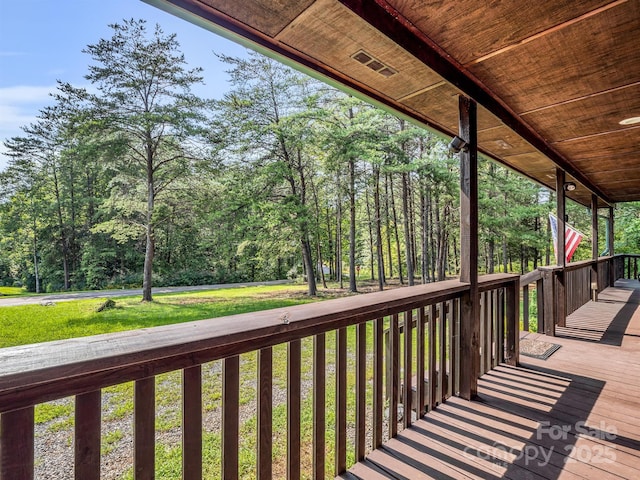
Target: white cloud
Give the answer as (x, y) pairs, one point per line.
(19, 106)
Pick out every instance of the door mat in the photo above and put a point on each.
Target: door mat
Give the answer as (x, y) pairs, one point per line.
(537, 348)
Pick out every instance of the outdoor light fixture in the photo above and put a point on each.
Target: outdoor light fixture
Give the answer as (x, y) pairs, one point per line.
(458, 144)
(569, 187)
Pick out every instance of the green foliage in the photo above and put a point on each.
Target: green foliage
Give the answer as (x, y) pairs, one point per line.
(79, 318)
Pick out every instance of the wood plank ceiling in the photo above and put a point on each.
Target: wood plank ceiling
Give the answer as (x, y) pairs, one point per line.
(553, 79)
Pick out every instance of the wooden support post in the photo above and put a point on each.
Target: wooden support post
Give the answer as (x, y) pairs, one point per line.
(612, 269)
(561, 297)
(525, 308)
(513, 323)
(548, 285)
(540, 305)
(595, 288)
(470, 303)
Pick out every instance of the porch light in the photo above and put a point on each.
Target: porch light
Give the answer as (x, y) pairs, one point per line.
(569, 187)
(458, 144)
(630, 121)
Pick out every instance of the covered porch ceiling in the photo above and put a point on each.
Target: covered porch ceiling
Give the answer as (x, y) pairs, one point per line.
(553, 79)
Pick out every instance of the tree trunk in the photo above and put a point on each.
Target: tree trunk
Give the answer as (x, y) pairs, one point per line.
(395, 228)
(376, 202)
(388, 223)
(352, 226)
(308, 264)
(424, 247)
(150, 240)
(371, 242)
(35, 255)
(63, 237)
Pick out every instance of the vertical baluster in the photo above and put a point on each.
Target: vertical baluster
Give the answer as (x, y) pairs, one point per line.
(442, 352)
(500, 326)
(341, 401)
(230, 416)
(408, 358)
(144, 428)
(489, 330)
(87, 436)
(378, 383)
(293, 410)
(16, 444)
(395, 375)
(525, 308)
(513, 324)
(361, 390)
(450, 347)
(192, 423)
(494, 328)
(420, 396)
(265, 416)
(319, 390)
(455, 359)
(482, 337)
(433, 379)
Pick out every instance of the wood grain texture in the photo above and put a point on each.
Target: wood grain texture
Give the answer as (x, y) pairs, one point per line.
(378, 381)
(35, 373)
(16, 444)
(420, 362)
(230, 417)
(294, 359)
(265, 414)
(407, 373)
(361, 391)
(319, 416)
(341, 402)
(144, 428)
(88, 412)
(394, 361)
(192, 423)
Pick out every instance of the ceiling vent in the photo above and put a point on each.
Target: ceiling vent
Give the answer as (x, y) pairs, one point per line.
(373, 63)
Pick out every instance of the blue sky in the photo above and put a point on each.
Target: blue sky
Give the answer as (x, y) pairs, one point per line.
(41, 41)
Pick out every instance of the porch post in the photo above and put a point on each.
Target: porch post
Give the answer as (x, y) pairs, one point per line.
(612, 263)
(470, 303)
(595, 288)
(560, 299)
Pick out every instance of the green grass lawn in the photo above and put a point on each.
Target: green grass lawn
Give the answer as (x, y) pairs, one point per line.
(26, 324)
(12, 291)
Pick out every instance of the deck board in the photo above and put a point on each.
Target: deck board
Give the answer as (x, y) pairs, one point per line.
(573, 416)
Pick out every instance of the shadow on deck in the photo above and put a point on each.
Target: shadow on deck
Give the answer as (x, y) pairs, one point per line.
(575, 415)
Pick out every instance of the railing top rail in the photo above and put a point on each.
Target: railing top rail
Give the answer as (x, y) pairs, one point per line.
(530, 277)
(495, 280)
(40, 372)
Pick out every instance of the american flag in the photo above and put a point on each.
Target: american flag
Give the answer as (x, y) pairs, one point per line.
(572, 238)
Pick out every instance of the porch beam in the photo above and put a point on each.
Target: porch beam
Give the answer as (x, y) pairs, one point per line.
(470, 312)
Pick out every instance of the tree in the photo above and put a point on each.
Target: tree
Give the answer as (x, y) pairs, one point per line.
(145, 101)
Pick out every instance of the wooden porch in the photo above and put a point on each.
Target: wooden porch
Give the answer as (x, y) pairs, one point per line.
(575, 415)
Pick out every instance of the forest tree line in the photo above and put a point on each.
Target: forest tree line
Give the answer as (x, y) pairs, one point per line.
(138, 181)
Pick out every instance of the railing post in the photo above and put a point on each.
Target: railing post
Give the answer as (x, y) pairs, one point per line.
(594, 247)
(561, 298)
(513, 323)
(548, 282)
(525, 308)
(470, 302)
(540, 304)
(16, 444)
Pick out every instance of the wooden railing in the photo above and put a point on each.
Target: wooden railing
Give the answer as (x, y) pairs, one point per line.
(560, 292)
(422, 345)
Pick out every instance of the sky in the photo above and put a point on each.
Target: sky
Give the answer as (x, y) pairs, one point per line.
(41, 41)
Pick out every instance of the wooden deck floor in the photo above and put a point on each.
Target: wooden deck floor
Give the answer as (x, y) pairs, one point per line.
(575, 415)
